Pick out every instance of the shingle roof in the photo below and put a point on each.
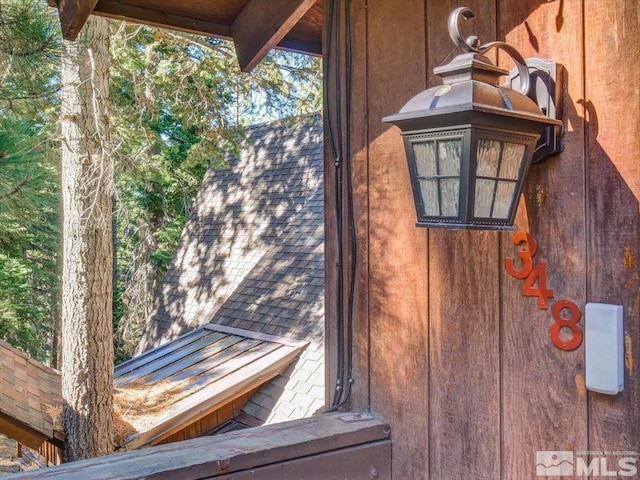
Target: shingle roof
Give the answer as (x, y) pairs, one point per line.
(252, 256)
(183, 380)
(27, 387)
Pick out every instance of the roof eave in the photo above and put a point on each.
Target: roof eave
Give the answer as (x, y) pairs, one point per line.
(254, 31)
(26, 434)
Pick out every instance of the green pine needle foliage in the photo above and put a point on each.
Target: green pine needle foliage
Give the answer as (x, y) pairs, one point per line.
(29, 192)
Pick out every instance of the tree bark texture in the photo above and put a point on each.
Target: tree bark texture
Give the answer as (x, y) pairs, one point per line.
(87, 183)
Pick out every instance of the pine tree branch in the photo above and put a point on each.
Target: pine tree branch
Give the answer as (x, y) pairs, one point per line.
(28, 53)
(33, 96)
(16, 190)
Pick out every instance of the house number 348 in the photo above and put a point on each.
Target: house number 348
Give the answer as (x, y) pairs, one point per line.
(532, 272)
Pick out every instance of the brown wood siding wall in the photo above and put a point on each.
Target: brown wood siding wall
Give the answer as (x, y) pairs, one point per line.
(211, 421)
(446, 348)
(612, 97)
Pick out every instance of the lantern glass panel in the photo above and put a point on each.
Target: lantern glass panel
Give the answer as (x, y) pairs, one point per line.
(430, 199)
(489, 152)
(504, 199)
(425, 155)
(498, 167)
(512, 156)
(449, 157)
(437, 166)
(450, 191)
(484, 197)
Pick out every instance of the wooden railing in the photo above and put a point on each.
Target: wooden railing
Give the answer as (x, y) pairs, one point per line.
(347, 446)
(46, 456)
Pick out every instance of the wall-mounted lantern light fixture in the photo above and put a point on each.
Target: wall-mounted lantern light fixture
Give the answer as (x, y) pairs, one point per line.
(470, 142)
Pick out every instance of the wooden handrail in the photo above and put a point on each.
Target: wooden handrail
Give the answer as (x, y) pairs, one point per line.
(345, 436)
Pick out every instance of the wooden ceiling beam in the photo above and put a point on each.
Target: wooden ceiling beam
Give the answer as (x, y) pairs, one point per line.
(154, 18)
(73, 15)
(297, 46)
(262, 25)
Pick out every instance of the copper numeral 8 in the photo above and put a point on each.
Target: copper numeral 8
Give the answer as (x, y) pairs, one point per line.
(570, 322)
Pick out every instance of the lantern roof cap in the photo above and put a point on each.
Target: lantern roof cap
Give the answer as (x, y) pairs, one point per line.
(470, 86)
(470, 66)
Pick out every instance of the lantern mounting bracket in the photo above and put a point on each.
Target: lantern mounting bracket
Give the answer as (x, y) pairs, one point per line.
(538, 79)
(546, 84)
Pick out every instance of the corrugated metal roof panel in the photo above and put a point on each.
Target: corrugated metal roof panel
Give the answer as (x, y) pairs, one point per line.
(185, 379)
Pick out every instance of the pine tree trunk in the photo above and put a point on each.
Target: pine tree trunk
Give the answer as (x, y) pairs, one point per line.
(87, 183)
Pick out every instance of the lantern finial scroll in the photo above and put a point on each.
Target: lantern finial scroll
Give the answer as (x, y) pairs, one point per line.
(470, 142)
(472, 45)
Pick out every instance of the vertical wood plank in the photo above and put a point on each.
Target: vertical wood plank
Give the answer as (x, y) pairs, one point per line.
(464, 315)
(193, 430)
(179, 436)
(465, 365)
(544, 401)
(346, 224)
(398, 251)
(613, 99)
(349, 218)
(331, 239)
(359, 161)
(225, 413)
(209, 422)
